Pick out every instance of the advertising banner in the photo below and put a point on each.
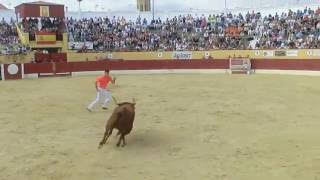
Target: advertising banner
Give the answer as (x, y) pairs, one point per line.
(267, 53)
(292, 53)
(182, 55)
(314, 52)
(280, 53)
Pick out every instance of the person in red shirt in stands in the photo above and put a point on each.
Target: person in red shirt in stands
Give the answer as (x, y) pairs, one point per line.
(103, 92)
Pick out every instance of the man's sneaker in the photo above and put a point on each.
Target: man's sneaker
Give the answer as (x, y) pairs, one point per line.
(104, 108)
(89, 109)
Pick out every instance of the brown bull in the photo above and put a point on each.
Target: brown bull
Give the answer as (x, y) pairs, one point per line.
(122, 119)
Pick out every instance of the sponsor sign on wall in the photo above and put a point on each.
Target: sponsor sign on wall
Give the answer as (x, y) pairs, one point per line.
(110, 56)
(267, 53)
(292, 53)
(182, 55)
(280, 53)
(207, 55)
(80, 45)
(316, 52)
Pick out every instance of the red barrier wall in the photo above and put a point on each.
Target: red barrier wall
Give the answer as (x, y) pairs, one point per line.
(31, 68)
(125, 65)
(285, 64)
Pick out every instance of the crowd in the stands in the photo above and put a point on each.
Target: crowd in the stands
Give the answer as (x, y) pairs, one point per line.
(252, 30)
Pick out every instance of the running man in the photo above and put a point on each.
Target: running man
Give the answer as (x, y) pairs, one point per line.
(102, 90)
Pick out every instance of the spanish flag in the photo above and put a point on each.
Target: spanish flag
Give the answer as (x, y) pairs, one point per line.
(45, 38)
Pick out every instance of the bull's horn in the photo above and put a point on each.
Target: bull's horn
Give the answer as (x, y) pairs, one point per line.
(114, 99)
(133, 101)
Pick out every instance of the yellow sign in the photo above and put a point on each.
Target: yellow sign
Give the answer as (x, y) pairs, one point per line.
(44, 11)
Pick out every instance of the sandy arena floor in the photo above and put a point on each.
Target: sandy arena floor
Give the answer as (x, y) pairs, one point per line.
(187, 127)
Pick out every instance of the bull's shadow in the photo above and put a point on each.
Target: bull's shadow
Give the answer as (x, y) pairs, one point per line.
(147, 139)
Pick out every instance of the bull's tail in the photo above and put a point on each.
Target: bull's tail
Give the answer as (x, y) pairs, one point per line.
(106, 135)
